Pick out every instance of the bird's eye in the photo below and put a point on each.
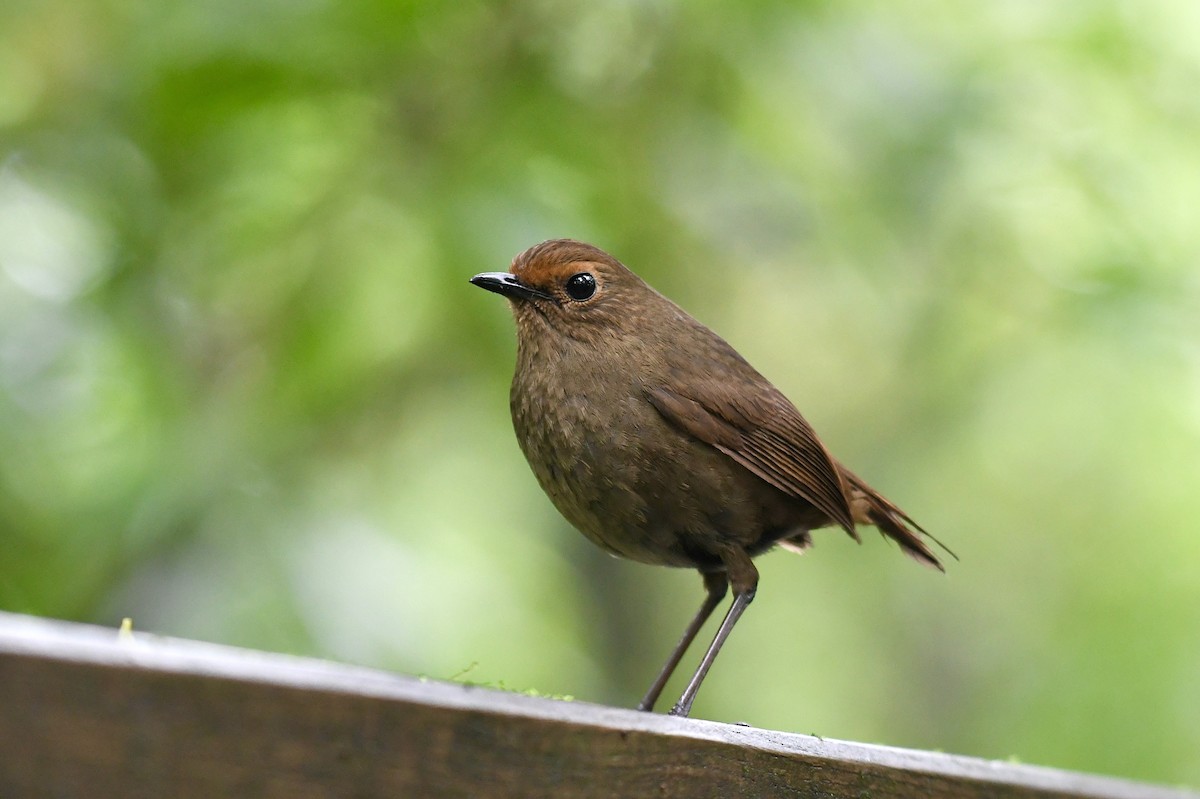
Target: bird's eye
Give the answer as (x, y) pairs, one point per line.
(581, 286)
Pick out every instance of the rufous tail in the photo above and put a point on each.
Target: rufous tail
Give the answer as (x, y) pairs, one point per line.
(868, 506)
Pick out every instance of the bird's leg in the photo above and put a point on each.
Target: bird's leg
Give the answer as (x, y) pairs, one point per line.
(744, 579)
(717, 585)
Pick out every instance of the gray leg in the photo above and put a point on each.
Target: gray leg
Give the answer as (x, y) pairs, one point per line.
(717, 585)
(744, 579)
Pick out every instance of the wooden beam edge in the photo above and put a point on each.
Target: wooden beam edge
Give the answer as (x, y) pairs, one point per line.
(31, 637)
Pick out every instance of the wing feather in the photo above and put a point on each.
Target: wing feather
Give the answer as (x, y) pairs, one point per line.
(765, 434)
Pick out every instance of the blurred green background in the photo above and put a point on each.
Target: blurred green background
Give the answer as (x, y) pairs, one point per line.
(247, 394)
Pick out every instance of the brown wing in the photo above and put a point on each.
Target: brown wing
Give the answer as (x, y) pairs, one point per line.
(760, 429)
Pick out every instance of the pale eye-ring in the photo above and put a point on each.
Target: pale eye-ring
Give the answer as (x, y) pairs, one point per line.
(581, 286)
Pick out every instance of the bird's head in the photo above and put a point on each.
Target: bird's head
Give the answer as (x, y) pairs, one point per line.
(571, 288)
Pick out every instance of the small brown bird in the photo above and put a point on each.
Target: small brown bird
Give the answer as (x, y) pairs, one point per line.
(660, 443)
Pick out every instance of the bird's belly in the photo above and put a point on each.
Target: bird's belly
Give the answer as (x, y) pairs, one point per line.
(642, 491)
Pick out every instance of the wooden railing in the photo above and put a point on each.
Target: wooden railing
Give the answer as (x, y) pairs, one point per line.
(85, 712)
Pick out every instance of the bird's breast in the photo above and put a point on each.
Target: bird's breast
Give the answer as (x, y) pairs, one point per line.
(630, 482)
(582, 457)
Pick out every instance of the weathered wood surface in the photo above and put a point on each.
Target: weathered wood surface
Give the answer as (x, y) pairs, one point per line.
(85, 714)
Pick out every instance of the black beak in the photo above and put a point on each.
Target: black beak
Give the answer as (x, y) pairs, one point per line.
(508, 285)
